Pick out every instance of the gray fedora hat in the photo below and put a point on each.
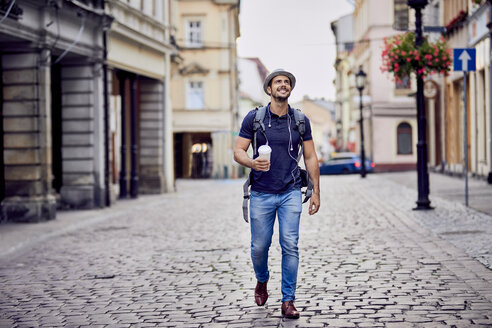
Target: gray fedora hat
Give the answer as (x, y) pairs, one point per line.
(278, 72)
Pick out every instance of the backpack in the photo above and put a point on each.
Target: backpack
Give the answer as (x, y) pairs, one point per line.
(259, 125)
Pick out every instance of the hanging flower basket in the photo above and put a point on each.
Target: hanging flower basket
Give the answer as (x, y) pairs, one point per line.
(401, 57)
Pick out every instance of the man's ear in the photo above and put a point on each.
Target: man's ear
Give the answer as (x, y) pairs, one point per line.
(269, 90)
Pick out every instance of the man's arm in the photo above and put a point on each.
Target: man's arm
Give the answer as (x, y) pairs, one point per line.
(241, 156)
(312, 166)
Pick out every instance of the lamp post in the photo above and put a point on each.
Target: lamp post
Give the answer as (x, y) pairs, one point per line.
(423, 202)
(339, 145)
(360, 82)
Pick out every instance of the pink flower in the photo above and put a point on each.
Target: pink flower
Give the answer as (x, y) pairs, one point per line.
(408, 59)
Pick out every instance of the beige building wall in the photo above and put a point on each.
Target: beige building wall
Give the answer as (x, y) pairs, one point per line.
(322, 123)
(206, 69)
(384, 106)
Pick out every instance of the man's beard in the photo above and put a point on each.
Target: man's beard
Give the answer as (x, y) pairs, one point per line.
(281, 98)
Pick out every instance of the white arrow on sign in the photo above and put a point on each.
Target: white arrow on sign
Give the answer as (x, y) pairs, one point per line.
(464, 57)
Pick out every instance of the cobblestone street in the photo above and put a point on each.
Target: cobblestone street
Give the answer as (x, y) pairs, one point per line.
(182, 260)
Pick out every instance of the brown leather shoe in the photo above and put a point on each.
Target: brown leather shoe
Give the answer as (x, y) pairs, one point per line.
(289, 310)
(261, 293)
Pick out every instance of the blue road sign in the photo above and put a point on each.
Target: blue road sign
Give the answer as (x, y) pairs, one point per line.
(464, 60)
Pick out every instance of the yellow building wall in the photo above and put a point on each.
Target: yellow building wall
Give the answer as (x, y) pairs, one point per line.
(129, 56)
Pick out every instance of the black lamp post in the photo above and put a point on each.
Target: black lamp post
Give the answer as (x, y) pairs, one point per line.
(423, 202)
(360, 82)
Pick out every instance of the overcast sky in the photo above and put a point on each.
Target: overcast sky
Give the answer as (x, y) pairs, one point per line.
(294, 35)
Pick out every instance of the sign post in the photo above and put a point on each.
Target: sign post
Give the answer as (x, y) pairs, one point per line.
(464, 60)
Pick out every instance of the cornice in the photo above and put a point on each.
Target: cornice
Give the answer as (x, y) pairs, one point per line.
(125, 32)
(133, 24)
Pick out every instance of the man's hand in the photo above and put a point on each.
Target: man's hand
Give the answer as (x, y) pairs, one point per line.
(314, 203)
(260, 164)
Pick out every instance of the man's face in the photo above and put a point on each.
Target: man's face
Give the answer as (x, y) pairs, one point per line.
(280, 88)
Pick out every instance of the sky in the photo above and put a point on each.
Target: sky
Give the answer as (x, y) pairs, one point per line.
(294, 35)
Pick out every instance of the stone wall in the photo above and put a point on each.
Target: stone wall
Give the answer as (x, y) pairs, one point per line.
(27, 138)
(151, 174)
(81, 140)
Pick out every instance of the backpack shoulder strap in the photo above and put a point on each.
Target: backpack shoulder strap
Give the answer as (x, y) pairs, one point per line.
(259, 117)
(300, 121)
(301, 127)
(258, 124)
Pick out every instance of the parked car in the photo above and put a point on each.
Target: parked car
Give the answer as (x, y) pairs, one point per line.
(345, 163)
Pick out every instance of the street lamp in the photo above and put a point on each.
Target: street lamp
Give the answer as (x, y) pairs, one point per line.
(423, 202)
(360, 82)
(339, 128)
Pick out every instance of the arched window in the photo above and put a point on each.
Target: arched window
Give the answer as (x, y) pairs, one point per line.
(404, 138)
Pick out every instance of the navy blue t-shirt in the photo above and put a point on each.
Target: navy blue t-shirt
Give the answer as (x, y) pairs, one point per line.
(284, 173)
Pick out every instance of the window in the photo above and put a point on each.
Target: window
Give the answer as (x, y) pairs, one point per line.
(403, 84)
(195, 95)
(194, 33)
(400, 8)
(404, 136)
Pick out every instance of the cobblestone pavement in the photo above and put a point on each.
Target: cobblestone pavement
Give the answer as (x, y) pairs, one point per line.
(182, 260)
(465, 228)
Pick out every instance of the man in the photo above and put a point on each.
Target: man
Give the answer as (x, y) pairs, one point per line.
(276, 186)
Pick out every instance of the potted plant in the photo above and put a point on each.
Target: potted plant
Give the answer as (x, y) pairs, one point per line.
(401, 57)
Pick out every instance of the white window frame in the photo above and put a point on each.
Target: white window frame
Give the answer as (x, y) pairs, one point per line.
(195, 95)
(194, 34)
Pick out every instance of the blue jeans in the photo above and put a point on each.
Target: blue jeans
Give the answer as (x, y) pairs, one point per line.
(263, 209)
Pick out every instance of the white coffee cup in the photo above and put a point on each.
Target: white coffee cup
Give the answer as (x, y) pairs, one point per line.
(264, 152)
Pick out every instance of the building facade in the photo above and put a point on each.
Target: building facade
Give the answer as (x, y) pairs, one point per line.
(50, 49)
(205, 88)
(345, 113)
(65, 65)
(321, 114)
(389, 117)
(466, 27)
(140, 114)
(389, 110)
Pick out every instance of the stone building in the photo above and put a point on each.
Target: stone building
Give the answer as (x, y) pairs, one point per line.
(52, 96)
(64, 119)
(140, 114)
